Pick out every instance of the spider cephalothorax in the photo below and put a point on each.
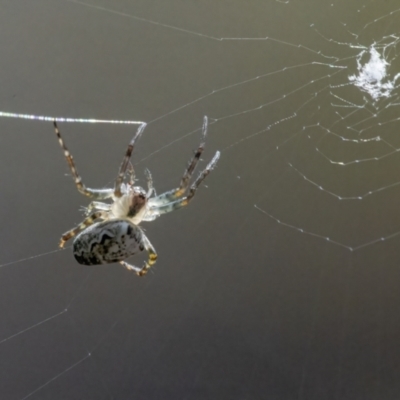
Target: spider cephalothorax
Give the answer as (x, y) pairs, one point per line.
(110, 232)
(132, 204)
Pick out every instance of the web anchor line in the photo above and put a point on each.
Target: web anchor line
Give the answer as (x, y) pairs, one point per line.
(6, 114)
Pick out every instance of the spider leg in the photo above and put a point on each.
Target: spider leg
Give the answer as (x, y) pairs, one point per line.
(84, 224)
(99, 194)
(150, 187)
(131, 174)
(126, 161)
(151, 214)
(130, 267)
(155, 211)
(148, 264)
(174, 194)
(97, 205)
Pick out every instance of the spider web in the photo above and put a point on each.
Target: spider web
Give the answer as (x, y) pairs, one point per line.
(281, 277)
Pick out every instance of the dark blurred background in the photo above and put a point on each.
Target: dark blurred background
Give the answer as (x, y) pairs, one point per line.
(297, 298)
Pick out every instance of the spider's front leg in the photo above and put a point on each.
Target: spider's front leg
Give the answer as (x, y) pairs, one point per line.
(99, 194)
(174, 194)
(130, 172)
(156, 210)
(126, 163)
(91, 219)
(149, 179)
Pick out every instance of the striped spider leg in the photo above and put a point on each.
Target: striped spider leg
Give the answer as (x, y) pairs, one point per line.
(175, 199)
(156, 209)
(96, 194)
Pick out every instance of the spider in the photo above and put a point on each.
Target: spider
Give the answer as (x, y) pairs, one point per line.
(110, 232)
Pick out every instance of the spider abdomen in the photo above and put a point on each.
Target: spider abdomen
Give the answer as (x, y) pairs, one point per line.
(108, 242)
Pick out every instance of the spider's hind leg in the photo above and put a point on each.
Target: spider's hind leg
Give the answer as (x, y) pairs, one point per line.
(148, 264)
(130, 267)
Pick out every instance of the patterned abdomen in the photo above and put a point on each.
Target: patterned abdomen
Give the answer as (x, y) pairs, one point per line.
(108, 242)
